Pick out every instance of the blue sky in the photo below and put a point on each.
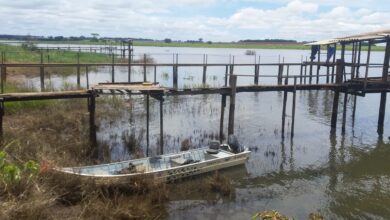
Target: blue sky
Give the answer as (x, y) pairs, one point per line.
(216, 20)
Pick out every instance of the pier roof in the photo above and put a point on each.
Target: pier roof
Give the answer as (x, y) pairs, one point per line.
(376, 35)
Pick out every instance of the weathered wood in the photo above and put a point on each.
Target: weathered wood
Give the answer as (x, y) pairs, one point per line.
(385, 73)
(113, 69)
(92, 124)
(301, 74)
(161, 127)
(293, 107)
(367, 64)
(147, 125)
(78, 70)
(226, 75)
(280, 74)
(354, 110)
(1, 118)
(339, 72)
(204, 69)
(223, 105)
(358, 60)
(257, 72)
(155, 74)
(233, 84)
(87, 76)
(284, 107)
(318, 65)
(129, 62)
(344, 112)
(42, 74)
(334, 61)
(144, 68)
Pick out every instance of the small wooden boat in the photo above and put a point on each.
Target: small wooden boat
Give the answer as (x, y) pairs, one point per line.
(164, 167)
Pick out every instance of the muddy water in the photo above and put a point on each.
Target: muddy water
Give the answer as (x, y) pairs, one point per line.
(338, 176)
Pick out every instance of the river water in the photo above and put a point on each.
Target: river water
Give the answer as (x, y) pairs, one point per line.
(343, 176)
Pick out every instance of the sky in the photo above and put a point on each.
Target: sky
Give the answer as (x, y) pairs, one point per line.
(214, 20)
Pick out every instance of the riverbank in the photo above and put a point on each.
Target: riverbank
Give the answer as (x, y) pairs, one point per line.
(276, 46)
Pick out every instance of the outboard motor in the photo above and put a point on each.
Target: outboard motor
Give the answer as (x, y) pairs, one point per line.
(233, 142)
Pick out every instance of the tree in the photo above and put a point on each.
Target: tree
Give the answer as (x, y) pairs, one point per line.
(95, 36)
(167, 40)
(201, 40)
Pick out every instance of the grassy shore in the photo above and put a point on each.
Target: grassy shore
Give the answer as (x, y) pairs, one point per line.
(19, 54)
(276, 46)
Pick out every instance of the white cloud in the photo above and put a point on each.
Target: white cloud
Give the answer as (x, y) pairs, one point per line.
(297, 19)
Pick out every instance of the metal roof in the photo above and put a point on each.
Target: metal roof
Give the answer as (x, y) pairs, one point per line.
(359, 37)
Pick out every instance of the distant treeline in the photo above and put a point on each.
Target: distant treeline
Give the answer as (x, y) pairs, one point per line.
(94, 37)
(62, 38)
(268, 41)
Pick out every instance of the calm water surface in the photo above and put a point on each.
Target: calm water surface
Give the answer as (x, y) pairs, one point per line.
(343, 176)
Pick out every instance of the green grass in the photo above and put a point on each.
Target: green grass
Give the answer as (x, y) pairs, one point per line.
(291, 46)
(18, 54)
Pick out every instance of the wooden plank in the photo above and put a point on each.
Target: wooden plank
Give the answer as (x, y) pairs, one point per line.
(233, 84)
(223, 105)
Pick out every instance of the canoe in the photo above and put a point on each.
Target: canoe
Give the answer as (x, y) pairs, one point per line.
(166, 167)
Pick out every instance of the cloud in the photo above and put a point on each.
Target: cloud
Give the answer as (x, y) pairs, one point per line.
(297, 19)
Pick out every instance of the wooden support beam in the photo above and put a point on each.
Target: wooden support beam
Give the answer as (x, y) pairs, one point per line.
(367, 65)
(161, 127)
(155, 74)
(226, 75)
(204, 69)
(318, 65)
(1, 118)
(223, 105)
(354, 110)
(147, 124)
(78, 70)
(92, 124)
(87, 76)
(257, 72)
(233, 84)
(42, 74)
(144, 68)
(280, 74)
(344, 112)
(334, 61)
(385, 73)
(293, 107)
(284, 107)
(339, 75)
(129, 61)
(113, 68)
(301, 74)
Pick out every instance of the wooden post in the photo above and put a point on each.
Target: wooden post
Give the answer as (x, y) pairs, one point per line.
(301, 74)
(304, 80)
(147, 124)
(92, 125)
(161, 127)
(233, 84)
(318, 65)
(175, 70)
(223, 105)
(155, 74)
(367, 65)
(344, 112)
(353, 58)
(293, 107)
(226, 75)
(358, 60)
(87, 75)
(2, 72)
(144, 67)
(129, 62)
(78, 70)
(343, 58)
(1, 118)
(334, 61)
(204, 69)
(280, 74)
(339, 75)
(382, 105)
(327, 65)
(284, 106)
(354, 111)
(113, 68)
(257, 72)
(42, 74)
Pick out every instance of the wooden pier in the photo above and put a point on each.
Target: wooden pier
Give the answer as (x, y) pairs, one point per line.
(337, 80)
